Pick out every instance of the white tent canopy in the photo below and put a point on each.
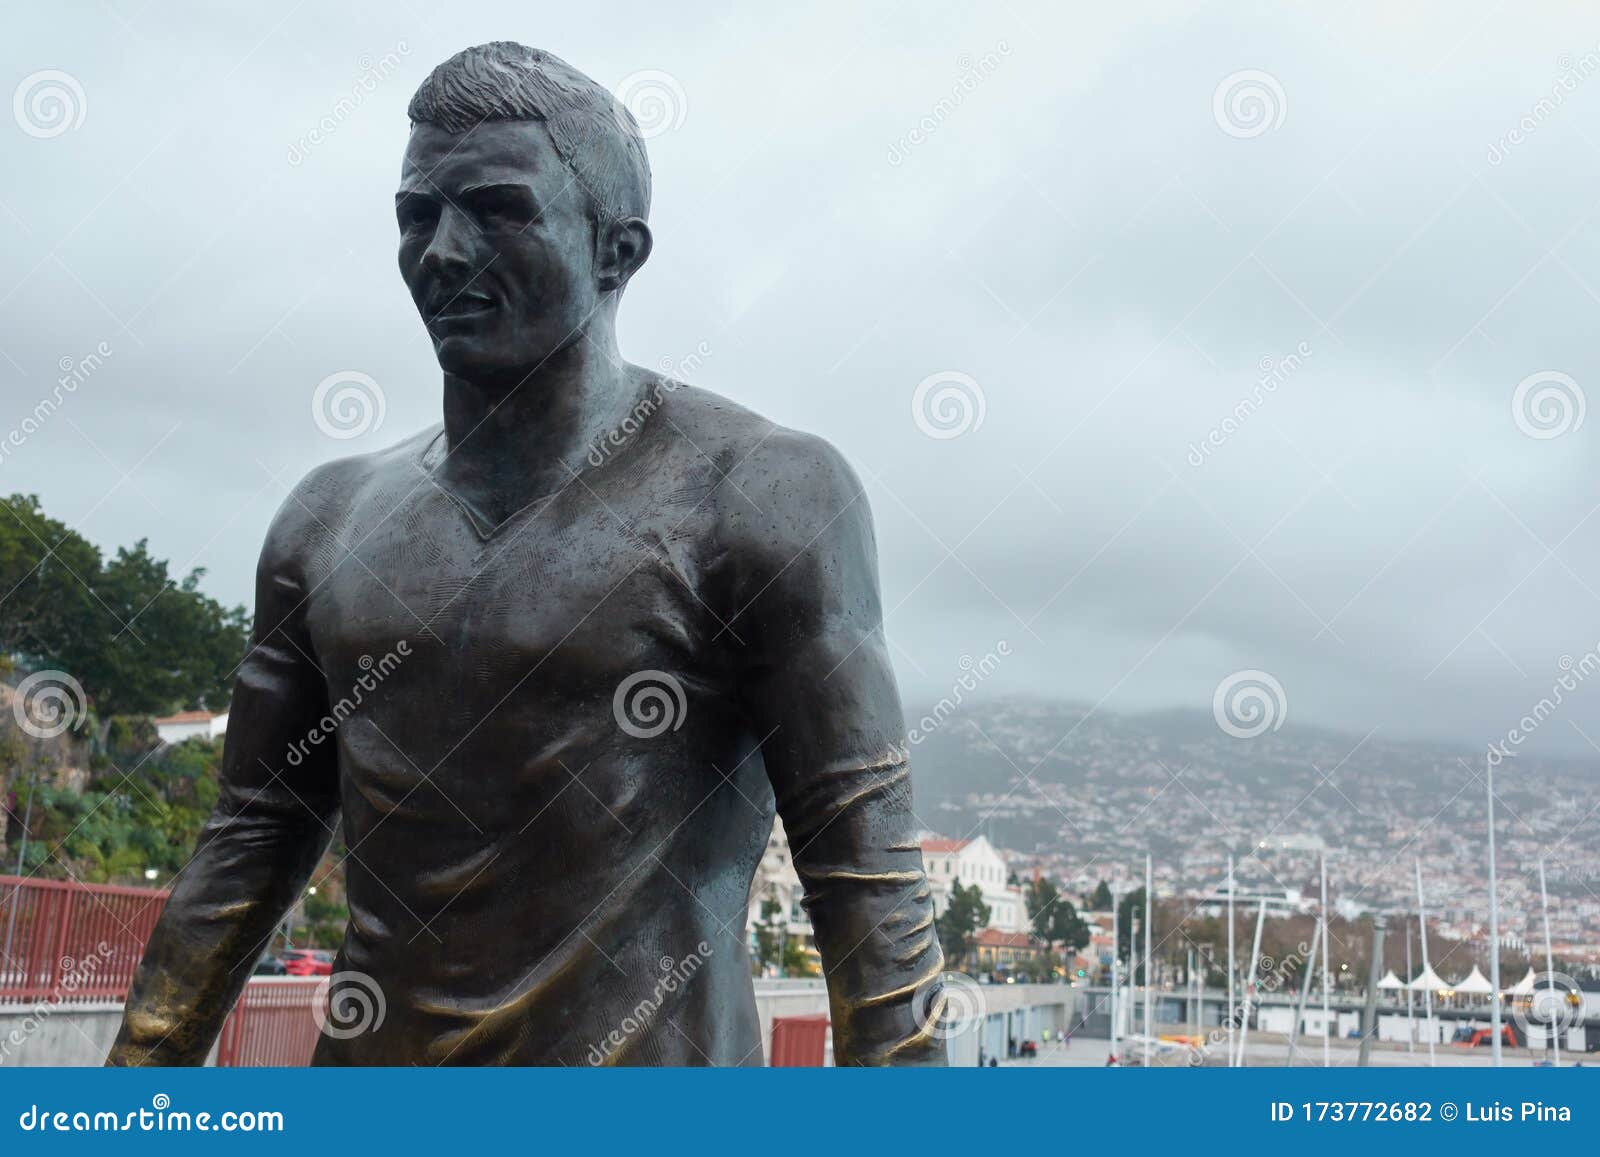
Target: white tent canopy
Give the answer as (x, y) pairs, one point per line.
(1476, 983)
(1523, 987)
(1428, 981)
(1390, 980)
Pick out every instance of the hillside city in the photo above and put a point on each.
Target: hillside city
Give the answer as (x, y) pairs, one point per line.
(1091, 806)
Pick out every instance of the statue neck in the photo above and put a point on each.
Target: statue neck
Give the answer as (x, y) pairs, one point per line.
(514, 442)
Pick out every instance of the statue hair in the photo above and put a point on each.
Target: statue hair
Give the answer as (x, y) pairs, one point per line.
(594, 134)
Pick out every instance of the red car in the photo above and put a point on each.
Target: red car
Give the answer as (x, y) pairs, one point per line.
(307, 962)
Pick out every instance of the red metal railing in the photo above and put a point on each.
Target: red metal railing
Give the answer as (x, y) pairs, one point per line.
(799, 1041)
(69, 942)
(273, 1023)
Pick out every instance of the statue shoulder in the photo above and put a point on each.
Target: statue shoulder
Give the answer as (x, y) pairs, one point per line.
(323, 500)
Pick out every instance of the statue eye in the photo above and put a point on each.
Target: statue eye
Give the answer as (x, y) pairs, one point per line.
(504, 207)
(417, 213)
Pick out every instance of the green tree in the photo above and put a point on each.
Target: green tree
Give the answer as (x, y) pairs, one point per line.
(963, 917)
(1102, 900)
(1055, 919)
(48, 616)
(169, 645)
(770, 932)
(137, 639)
(1130, 912)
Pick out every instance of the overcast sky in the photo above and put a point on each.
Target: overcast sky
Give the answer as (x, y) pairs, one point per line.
(1108, 218)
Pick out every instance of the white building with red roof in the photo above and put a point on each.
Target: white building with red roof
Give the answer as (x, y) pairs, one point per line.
(968, 862)
(191, 725)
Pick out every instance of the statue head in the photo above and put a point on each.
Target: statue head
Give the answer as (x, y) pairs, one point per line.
(522, 204)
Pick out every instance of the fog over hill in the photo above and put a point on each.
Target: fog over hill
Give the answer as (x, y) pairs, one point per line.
(1091, 792)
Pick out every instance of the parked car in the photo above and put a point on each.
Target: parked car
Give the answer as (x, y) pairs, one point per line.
(307, 962)
(269, 965)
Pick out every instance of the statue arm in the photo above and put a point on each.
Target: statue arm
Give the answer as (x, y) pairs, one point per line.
(821, 695)
(271, 823)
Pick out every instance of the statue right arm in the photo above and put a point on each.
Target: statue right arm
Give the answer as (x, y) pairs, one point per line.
(272, 821)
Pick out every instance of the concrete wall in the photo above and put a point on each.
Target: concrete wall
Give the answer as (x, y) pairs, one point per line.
(56, 1035)
(82, 1034)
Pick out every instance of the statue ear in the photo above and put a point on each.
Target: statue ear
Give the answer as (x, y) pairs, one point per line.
(624, 246)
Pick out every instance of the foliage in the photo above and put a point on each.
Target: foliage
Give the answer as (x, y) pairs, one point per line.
(1102, 899)
(963, 916)
(144, 814)
(1130, 910)
(775, 947)
(1055, 920)
(769, 933)
(137, 639)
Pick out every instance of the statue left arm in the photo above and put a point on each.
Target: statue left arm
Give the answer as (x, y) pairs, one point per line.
(821, 696)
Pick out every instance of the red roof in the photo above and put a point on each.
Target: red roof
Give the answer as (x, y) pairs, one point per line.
(187, 717)
(994, 938)
(942, 845)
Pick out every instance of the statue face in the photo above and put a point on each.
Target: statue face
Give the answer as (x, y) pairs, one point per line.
(496, 246)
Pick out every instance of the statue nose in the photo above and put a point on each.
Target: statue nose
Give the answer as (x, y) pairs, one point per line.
(450, 249)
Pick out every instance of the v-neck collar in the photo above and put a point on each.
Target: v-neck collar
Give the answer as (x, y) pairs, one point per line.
(481, 524)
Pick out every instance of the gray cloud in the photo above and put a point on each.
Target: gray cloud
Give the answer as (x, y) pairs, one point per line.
(1073, 229)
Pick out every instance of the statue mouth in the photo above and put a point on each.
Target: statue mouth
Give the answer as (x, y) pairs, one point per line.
(464, 306)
